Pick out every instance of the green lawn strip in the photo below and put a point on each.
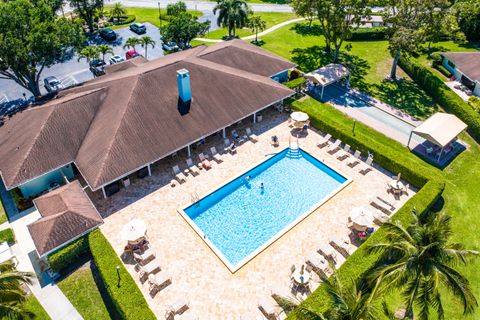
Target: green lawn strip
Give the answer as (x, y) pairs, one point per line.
(149, 15)
(3, 213)
(7, 235)
(271, 18)
(80, 288)
(34, 306)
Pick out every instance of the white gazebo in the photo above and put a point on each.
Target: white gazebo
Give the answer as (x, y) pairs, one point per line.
(328, 75)
(440, 129)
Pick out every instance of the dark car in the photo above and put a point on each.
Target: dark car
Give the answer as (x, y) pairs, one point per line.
(52, 84)
(97, 67)
(138, 28)
(170, 46)
(131, 54)
(107, 34)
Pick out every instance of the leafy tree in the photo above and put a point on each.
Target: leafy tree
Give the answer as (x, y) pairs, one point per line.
(131, 43)
(103, 49)
(183, 29)
(256, 23)
(146, 41)
(305, 9)
(31, 39)
(232, 14)
(338, 18)
(435, 15)
(468, 16)
(86, 9)
(420, 261)
(175, 9)
(117, 11)
(89, 53)
(12, 294)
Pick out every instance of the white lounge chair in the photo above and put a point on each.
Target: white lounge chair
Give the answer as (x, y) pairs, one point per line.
(179, 306)
(158, 281)
(317, 262)
(333, 147)
(269, 308)
(229, 147)
(192, 167)
(250, 135)
(178, 174)
(204, 162)
(236, 136)
(366, 166)
(326, 251)
(379, 217)
(344, 153)
(380, 206)
(142, 257)
(215, 154)
(151, 267)
(324, 141)
(353, 161)
(340, 246)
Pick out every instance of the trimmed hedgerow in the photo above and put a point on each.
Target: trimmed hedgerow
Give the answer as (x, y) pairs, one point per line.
(8, 236)
(129, 18)
(125, 295)
(66, 256)
(369, 34)
(443, 95)
(295, 83)
(391, 155)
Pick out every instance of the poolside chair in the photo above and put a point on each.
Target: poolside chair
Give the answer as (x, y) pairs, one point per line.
(269, 308)
(179, 306)
(317, 262)
(406, 188)
(151, 267)
(178, 174)
(340, 246)
(158, 282)
(327, 252)
(204, 162)
(250, 135)
(355, 159)
(215, 154)
(380, 206)
(379, 217)
(186, 316)
(333, 147)
(344, 153)
(229, 146)
(324, 141)
(144, 257)
(366, 166)
(236, 136)
(192, 167)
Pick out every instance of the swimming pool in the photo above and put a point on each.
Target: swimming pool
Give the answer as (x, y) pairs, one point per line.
(241, 218)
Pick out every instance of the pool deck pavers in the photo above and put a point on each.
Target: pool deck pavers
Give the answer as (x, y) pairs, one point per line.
(212, 290)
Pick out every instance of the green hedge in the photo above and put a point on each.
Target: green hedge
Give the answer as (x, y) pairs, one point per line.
(443, 95)
(443, 71)
(366, 34)
(126, 297)
(7, 235)
(295, 83)
(126, 20)
(64, 257)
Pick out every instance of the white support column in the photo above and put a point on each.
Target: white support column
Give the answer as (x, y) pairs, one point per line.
(224, 133)
(439, 156)
(149, 170)
(255, 117)
(409, 138)
(104, 193)
(188, 149)
(321, 96)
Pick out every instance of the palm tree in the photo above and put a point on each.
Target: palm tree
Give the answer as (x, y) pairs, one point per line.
(118, 11)
(131, 43)
(256, 23)
(12, 295)
(103, 49)
(145, 42)
(89, 53)
(419, 260)
(232, 14)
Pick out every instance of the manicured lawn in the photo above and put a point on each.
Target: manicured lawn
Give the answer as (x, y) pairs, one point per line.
(82, 291)
(271, 18)
(34, 306)
(3, 214)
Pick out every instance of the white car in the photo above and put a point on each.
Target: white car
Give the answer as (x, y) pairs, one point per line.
(116, 59)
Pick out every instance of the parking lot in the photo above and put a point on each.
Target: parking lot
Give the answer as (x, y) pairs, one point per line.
(72, 71)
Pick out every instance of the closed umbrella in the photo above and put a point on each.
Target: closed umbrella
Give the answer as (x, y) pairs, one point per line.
(361, 218)
(299, 116)
(134, 230)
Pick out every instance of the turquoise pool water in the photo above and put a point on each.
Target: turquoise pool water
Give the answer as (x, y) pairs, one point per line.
(242, 216)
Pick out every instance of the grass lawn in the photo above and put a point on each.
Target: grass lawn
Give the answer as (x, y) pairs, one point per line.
(149, 15)
(3, 214)
(271, 18)
(34, 306)
(82, 291)
(7, 235)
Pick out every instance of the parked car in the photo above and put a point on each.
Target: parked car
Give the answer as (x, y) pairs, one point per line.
(116, 59)
(107, 34)
(138, 28)
(52, 84)
(169, 46)
(97, 67)
(131, 54)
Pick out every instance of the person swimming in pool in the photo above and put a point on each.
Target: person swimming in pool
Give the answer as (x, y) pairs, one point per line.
(247, 178)
(262, 186)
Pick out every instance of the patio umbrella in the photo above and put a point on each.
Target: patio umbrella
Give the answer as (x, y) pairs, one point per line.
(361, 218)
(134, 230)
(299, 116)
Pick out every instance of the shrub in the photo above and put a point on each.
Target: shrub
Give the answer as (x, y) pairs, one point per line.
(295, 83)
(443, 70)
(7, 235)
(443, 95)
(125, 295)
(366, 34)
(64, 257)
(474, 102)
(436, 58)
(129, 18)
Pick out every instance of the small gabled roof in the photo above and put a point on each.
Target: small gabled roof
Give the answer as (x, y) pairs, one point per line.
(441, 128)
(67, 213)
(328, 74)
(467, 62)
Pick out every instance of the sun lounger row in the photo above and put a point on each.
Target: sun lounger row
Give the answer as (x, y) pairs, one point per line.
(340, 245)
(194, 168)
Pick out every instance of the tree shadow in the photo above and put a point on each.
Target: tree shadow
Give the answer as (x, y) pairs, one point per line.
(305, 30)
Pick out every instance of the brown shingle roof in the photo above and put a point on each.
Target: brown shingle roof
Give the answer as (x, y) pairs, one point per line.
(67, 213)
(467, 62)
(117, 123)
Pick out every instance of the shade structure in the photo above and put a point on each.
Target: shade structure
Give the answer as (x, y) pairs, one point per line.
(134, 230)
(361, 218)
(440, 129)
(328, 74)
(299, 116)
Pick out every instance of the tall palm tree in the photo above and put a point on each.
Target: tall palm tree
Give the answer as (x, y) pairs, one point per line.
(256, 23)
(145, 42)
(88, 53)
(232, 14)
(12, 295)
(131, 43)
(419, 260)
(117, 11)
(103, 49)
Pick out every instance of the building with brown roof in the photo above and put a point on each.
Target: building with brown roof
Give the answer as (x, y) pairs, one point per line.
(135, 115)
(465, 67)
(67, 214)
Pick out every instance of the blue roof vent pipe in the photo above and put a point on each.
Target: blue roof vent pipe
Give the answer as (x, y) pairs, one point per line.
(183, 82)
